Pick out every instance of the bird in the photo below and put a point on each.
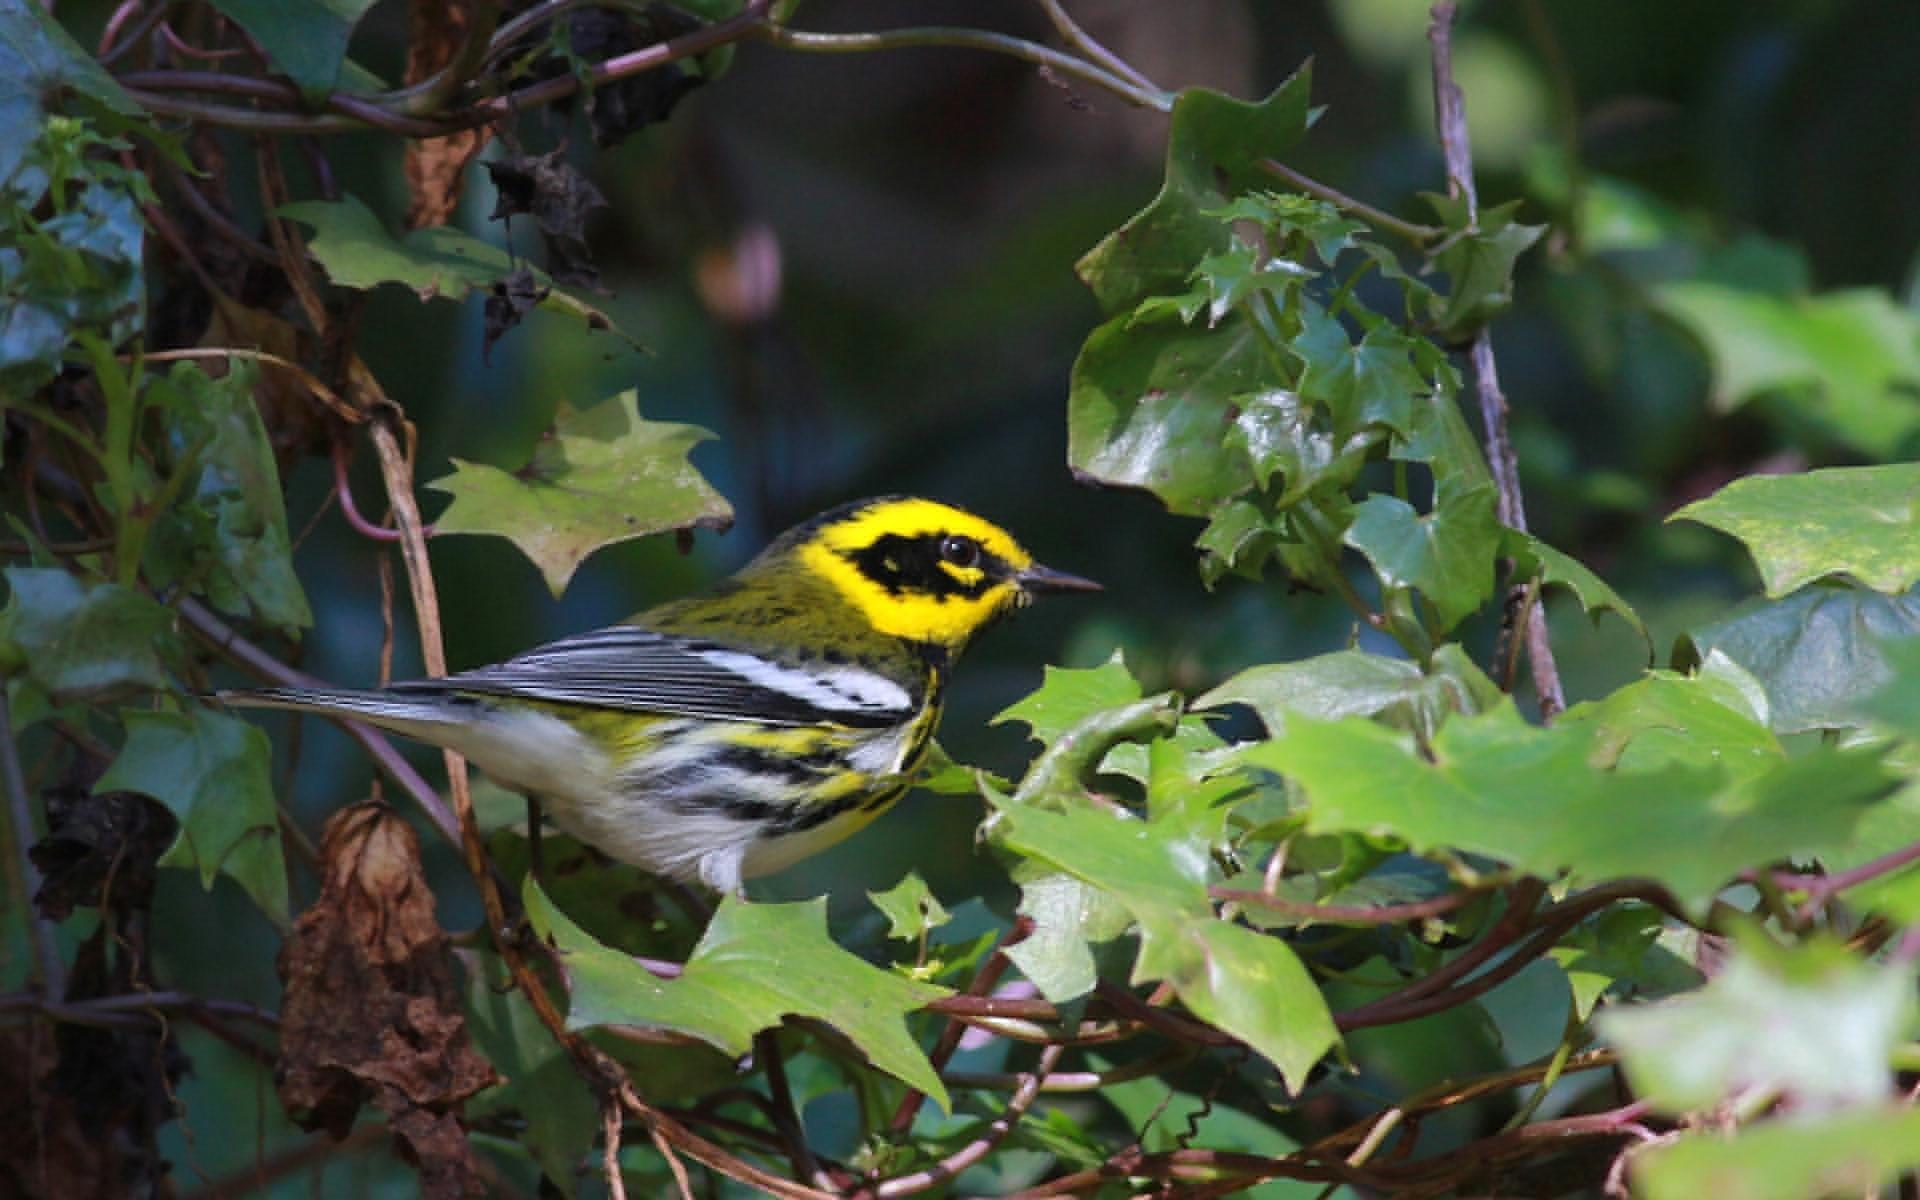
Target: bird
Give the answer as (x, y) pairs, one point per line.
(733, 732)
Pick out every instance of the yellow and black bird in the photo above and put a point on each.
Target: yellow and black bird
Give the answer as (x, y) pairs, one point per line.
(738, 730)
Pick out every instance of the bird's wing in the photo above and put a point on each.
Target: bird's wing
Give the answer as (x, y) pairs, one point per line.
(641, 670)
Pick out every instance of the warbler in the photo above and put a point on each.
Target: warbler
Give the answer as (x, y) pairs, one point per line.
(736, 731)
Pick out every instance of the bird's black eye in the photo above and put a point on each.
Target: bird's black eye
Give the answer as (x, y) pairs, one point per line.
(960, 551)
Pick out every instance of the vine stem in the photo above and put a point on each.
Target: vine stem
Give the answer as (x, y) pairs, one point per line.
(1450, 117)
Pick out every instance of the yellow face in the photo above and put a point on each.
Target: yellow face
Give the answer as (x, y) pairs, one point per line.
(921, 570)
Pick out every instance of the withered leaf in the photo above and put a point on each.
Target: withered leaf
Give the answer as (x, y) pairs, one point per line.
(99, 849)
(435, 167)
(559, 198)
(508, 301)
(372, 1013)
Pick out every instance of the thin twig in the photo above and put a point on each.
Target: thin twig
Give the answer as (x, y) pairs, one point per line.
(781, 1109)
(1450, 117)
(1077, 37)
(983, 982)
(996, 1132)
(1380, 218)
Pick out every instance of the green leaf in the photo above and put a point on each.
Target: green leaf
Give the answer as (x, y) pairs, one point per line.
(1147, 408)
(757, 964)
(83, 639)
(541, 1083)
(214, 773)
(1069, 917)
(1534, 559)
(1896, 705)
(1810, 1021)
(1479, 266)
(1214, 146)
(1358, 683)
(1861, 522)
(441, 261)
(1848, 360)
(1817, 653)
(40, 62)
(604, 475)
(1446, 555)
(1846, 1154)
(1069, 695)
(1619, 952)
(1545, 800)
(910, 908)
(1138, 863)
(1716, 717)
(1283, 435)
(1249, 984)
(1373, 382)
(226, 537)
(306, 39)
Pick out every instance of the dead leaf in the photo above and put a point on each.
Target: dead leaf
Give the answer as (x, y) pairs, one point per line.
(436, 167)
(371, 1012)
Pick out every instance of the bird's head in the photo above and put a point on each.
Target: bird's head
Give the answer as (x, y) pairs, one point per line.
(924, 571)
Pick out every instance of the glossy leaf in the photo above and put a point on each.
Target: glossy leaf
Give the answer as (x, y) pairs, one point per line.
(1214, 145)
(214, 773)
(1861, 522)
(1446, 555)
(1845, 1154)
(1812, 1021)
(83, 638)
(1068, 695)
(1147, 407)
(605, 474)
(1358, 683)
(1479, 266)
(1069, 918)
(757, 964)
(1817, 653)
(440, 261)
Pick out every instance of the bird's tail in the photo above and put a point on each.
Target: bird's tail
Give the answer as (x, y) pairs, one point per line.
(391, 710)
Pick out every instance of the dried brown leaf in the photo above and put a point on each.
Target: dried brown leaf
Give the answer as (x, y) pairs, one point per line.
(372, 1013)
(436, 166)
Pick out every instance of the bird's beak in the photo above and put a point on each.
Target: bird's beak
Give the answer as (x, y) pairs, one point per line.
(1037, 578)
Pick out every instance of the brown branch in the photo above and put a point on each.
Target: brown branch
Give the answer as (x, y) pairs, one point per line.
(1450, 116)
(996, 1132)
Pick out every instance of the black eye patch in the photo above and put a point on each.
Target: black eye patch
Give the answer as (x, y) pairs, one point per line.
(913, 564)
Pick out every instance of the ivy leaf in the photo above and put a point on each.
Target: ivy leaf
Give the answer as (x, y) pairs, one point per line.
(1373, 382)
(440, 261)
(1620, 952)
(1844, 1154)
(1534, 559)
(1069, 917)
(306, 39)
(1358, 683)
(1812, 1021)
(1068, 695)
(1147, 408)
(1546, 800)
(1249, 984)
(1817, 653)
(1446, 555)
(214, 773)
(227, 537)
(1214, 145)
(910, 908)
(1848, 360)
(1282, 434)
(603, 475)
(1479, 266)
(757, 964)
(1862, 522)
(85, 639)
